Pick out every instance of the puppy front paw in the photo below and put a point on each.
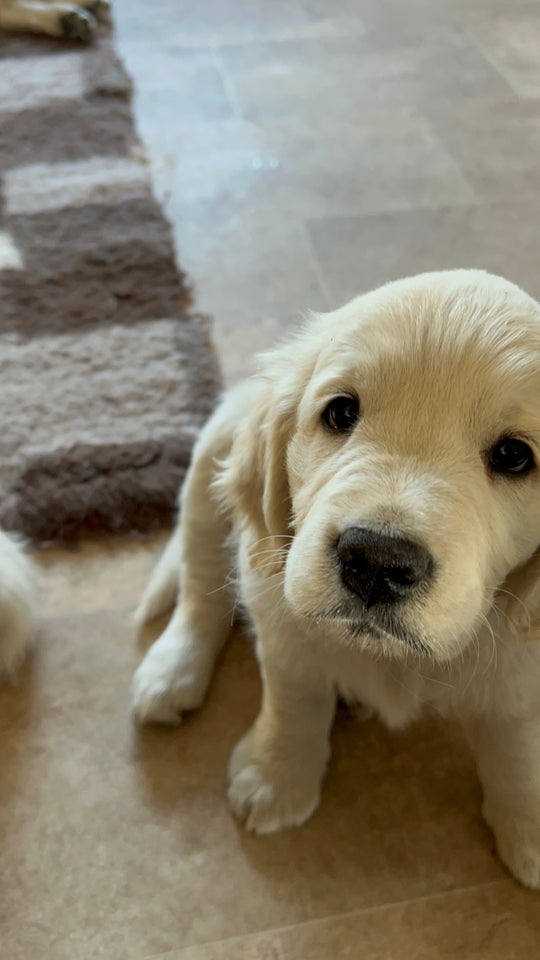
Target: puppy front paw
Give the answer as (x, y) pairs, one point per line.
(518, 844)
(172, 678)
(269, 793)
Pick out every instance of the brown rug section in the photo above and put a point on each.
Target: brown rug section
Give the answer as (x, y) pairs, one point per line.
(105, 374)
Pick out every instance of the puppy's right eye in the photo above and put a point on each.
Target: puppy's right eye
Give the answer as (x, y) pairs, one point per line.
(341, 413)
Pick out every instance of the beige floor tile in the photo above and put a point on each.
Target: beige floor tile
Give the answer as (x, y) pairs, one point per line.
(495, 143)
(496, 922)
(334, 102)
(283, 170)
(189, 79)
(512, 45)
(246, 191)
(214, 22)
(343, 77)
(119, 844)
(96, 575)
(359, 253)
(265, 279)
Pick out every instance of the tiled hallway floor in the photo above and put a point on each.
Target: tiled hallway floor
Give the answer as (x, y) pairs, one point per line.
(305, 151)
(308, 150)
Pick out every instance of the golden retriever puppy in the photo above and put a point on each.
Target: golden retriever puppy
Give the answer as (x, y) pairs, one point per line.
(70, 19)
(381, 481)
(18, 586)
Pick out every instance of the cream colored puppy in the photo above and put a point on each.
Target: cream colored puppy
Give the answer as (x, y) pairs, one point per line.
(381, 479)
(69, 19)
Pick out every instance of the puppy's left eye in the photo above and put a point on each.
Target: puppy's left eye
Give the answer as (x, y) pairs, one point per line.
(511, 456)
(341, 413)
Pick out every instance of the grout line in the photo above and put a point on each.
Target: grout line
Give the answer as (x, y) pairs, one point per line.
(469, 204)
(360, 912)
(228, 84)
(500, 70)
(317, 266)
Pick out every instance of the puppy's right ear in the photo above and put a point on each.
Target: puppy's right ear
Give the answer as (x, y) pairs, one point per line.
(254, 479)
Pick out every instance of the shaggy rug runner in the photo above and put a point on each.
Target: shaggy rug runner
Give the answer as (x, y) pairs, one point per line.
(105, 374)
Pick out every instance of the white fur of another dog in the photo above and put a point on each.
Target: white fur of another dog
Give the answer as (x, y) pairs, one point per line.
(18, 585)
(444, 365)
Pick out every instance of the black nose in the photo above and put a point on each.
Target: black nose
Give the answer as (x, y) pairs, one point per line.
(381, 568)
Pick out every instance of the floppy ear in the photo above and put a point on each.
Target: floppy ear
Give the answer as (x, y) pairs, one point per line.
(253, 481)
(521, 590)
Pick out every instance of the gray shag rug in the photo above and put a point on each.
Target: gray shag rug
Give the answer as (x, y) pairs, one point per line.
(106, 375)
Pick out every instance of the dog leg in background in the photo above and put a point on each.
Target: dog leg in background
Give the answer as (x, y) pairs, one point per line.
(276, 771)
(18, 583)
(55, 18)
(508, 756)
(176, 671)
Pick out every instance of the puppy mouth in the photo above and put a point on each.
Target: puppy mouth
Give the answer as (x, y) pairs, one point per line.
(382, 627)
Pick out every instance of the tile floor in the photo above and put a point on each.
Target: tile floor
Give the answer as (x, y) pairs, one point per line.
(305, 151)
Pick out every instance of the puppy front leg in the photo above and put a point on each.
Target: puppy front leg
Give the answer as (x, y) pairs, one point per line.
(275, 772)
(508, 756)
(176, 671)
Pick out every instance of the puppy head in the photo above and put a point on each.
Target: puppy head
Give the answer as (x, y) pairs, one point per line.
(397, 443)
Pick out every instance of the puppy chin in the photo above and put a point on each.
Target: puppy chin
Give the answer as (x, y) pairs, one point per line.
(394, 641)
(384, 633)
(403, 643)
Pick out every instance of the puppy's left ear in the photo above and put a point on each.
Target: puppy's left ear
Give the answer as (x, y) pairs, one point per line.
(521, 594)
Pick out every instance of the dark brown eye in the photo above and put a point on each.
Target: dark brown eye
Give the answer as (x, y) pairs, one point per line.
(511, 456)
(341, 413)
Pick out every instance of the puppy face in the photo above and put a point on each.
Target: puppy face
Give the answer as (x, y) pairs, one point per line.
(411, 456)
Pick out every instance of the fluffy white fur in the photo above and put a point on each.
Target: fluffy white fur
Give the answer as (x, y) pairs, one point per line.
(444, 364)
(18, 583)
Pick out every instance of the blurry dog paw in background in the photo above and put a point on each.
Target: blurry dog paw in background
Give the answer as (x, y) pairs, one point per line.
(74, 20)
